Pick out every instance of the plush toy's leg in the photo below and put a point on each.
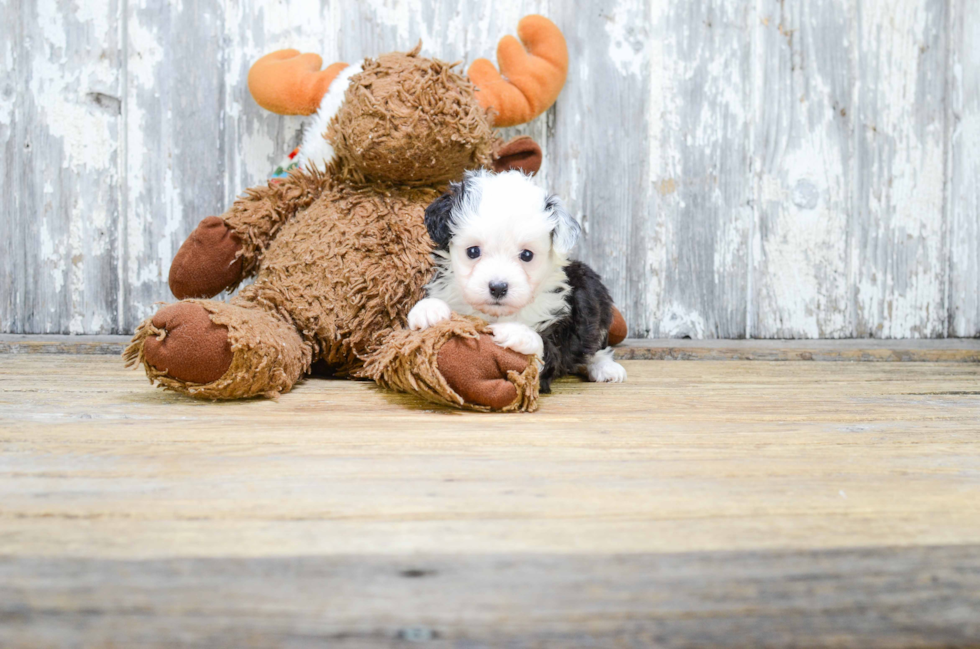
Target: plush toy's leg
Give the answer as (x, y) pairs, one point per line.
(213, 350)
(456, 363)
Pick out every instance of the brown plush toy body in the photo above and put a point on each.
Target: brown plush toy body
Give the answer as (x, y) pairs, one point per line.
(339, 249)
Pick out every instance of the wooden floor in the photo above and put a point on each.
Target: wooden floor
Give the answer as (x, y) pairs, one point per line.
(700, 504)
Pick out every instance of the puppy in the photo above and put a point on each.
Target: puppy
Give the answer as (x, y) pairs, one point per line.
(501, 255)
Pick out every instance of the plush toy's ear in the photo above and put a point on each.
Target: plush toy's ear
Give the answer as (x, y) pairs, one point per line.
(566, 229)
(439, 215)
(521, 153)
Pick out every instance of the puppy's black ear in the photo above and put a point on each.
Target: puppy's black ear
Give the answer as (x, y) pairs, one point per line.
(439, 216)
(565, 229)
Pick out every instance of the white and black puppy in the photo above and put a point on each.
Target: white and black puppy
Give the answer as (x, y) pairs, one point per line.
(502, 247)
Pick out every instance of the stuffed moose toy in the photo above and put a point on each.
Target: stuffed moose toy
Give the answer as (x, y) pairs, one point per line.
(338, 247)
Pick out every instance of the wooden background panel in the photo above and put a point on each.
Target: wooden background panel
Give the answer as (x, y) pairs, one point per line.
(869, 598)
(770, 169)
(700, 210)
(898, 247)
(59, 119)
(600, 152)
(963, 198)
(175, 150)
(804, 160)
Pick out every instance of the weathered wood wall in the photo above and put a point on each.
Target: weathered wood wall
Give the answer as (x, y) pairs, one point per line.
(773, 168)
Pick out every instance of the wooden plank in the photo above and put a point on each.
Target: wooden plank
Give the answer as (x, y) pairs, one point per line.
(175, 149)
(60, 344)
(601, 148)
(875, 597)
(963, 198)
(946, 350)
(770, 169)
(683, 457)
(804, 158)
(59, 124)
(699, 504)
(692, 240)
(898, 244)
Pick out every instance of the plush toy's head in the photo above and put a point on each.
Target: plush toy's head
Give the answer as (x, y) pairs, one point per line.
(411, 119)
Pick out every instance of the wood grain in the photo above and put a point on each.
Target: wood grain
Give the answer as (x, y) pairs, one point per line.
(175, 145)
(696, 225)
(868, 598)
(898, 225)
(946, 350)
(963, 167)
(803, 150)
(765, 169)
(60, 111)
(730, 504)
(683, 457)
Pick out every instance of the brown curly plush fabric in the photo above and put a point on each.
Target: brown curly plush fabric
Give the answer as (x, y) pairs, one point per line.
(268, 356)
(346, 270)
(411, 363)
(411, 120)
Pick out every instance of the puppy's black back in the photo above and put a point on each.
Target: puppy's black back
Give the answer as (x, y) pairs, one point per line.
(569, 342)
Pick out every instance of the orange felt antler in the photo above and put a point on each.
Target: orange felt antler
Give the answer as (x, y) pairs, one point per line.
(289, 83)
(532, 78)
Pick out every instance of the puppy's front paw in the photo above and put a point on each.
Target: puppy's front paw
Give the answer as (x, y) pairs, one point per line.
(428, 312)
(518, 337)
(603, 369)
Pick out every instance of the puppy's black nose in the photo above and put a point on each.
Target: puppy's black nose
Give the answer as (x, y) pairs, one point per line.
(498, 289)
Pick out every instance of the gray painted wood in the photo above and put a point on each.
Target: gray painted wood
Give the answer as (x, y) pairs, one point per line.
(60, 112)
(866, 597)
(899, 258)
(963, 168)
(803, 157)
(174, 140)
(700, 205)
(923, 350)
(796, 169)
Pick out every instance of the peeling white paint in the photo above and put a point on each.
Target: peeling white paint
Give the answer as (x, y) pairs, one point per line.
(680, 322)
(838, 201)
(627, 29)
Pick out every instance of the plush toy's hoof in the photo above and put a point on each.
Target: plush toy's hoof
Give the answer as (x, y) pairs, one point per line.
(617, 330)
(189, 347)
(476, 369)
(208, 262)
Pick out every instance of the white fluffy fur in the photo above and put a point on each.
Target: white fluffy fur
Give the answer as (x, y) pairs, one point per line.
(503, 214)
(315, 151)
(428, 312)
(519, 337)
(549, 306)
(601, 368)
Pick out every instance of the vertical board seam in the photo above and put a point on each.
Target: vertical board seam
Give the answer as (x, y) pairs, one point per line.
(852, 205)
(755, 56)
(122, 158)
(948, 120)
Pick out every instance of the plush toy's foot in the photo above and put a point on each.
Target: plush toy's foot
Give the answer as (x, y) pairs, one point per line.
(477, 369)
(456, 363)
(213, 350)
(185, 345)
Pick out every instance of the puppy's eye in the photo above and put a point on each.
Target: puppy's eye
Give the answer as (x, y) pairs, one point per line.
(527, 255)
(473, 252)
